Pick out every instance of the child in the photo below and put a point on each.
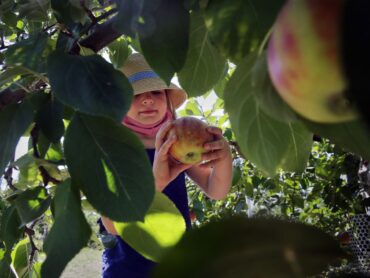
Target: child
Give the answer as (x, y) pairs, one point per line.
(150, 117)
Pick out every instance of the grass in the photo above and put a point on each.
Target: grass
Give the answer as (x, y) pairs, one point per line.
(87, 264)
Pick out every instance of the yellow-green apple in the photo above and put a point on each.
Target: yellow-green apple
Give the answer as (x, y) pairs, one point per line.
(304, 60)
(191, 136)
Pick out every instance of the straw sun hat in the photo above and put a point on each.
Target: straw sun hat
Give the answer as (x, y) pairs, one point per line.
(144, 79)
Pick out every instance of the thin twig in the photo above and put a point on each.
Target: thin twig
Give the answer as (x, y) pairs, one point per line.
(30, 233)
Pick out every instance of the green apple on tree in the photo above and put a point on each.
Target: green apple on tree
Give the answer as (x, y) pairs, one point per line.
(191, 136)
(304, 60)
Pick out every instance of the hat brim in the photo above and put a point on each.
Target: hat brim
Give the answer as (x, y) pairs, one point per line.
(176, 95)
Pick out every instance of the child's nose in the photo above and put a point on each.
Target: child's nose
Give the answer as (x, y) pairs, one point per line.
(147, 100)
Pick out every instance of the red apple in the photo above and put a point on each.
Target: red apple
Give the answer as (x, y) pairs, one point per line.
(304, 59)
(191, 136)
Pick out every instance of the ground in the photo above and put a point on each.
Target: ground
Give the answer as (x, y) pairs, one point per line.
(86, 264)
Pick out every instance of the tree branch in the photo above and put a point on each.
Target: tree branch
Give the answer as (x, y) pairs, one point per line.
(102, 35)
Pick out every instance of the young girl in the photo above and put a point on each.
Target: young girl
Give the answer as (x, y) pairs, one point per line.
(150, 117)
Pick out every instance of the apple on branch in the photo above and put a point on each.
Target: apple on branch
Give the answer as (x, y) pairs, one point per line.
(191, 136)
(304, 60)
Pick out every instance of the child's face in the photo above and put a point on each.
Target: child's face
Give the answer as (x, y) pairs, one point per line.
(149, 107)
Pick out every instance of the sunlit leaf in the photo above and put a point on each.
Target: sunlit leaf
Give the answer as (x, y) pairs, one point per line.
(118, 52)
(162, 228)
(20, 256)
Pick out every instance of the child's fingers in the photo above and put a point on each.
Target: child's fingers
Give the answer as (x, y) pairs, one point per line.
(209, 164)
(214, 130)
(214, 155)
(165, 147)
(215, 145)
(162, 133)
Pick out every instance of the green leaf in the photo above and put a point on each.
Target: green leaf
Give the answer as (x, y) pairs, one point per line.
(164, 36)
(162, 228)
(5, 261)
(127, 19)
(9, 18)
(14, 120)
(108, 162)
(11, 74)
(352, 136)
(102, 90)
(32, 203)
(67, 13)
(9, 229)
(237, 174)
(267, 97)
(237, 27)
(34, 10)
(69, 233)
(118, 52)
(29, 174)
(20, 256)
(254, 248)
(267, 142)
(50, 119)
(204, 66)
(30, 53)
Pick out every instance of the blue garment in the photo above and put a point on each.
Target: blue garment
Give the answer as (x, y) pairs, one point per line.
(122, 261)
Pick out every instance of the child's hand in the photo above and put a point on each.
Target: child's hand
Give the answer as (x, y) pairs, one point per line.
(218, 150)
(165, 169)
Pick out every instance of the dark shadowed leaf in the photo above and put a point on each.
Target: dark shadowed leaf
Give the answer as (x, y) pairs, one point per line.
(12, 73)
(50, 119)
(269, 143)
(162, 228)
(351, 136)
(204, 66)
(93, 87)
(9, 229)
(108, 162)
(164, 36)
(237, 27)
(68, 13)
(69, 233)
(32, 203)
(5, 261)
(31, 53)
(242, 247)
(127, 19)
(34, 10)
(14, 120)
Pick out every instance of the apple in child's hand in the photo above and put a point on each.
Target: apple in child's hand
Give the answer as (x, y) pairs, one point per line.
(191, 136)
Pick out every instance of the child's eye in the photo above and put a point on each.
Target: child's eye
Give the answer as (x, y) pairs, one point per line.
(157, 92)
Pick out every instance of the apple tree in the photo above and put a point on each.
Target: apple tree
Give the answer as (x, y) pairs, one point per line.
(61, 87)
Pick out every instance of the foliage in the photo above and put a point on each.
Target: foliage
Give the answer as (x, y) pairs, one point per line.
(60, 86)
